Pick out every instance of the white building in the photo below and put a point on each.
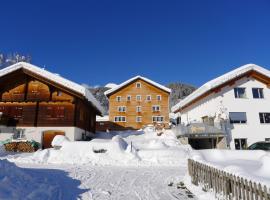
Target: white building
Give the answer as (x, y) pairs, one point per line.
(236, 103)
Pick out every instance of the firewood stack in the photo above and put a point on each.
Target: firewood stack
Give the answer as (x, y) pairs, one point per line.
(20, 147)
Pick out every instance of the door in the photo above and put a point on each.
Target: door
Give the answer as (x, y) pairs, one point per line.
(48, 138)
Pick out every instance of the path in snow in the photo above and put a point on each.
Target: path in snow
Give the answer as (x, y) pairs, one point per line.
(122, 183)
(119, 183)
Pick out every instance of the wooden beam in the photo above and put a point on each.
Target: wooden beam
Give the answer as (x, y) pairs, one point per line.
(36, 114)
(26, 88)
(75, 111)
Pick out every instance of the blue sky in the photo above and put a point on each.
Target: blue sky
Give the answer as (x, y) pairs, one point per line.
(97, 42)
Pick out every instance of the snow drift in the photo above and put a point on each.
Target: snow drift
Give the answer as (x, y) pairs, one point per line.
(250, 164)
(136, 149)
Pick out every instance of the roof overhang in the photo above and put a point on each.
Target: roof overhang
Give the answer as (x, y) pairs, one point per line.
(249, 70)
(134, 79)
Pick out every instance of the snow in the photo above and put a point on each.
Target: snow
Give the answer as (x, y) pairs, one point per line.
(55, 78)
(111, 85)
(133, 79)
(219, 81)
(18, 183)
(127, 148)
(58, 140)
(250, 164)
(105, 118)
(135, 165)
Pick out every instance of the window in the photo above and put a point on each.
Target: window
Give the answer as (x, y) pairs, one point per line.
(17, 112)
(121, 108)
(128, 98)
(138, 119)
(56, 112)
(118, 98)
(159, 97)
(138, 97)
(138, 85)
(264, 118)
(240, 143)
(240, 92)
(138, 108)
(148, 98)
(119, 119)
(238, 117)
(267, 139)
(155, 108)
(157, 118)
(59, 93)
(257, 93)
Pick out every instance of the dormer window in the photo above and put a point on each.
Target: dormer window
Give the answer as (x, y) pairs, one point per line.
(138, 85)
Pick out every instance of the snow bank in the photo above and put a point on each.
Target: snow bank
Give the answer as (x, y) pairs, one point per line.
(250, 164)
(58, 140)
(129, 148)
(17, 183)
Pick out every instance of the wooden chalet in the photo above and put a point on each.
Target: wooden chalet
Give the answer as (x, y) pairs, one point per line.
(137, 102)
(42, 104)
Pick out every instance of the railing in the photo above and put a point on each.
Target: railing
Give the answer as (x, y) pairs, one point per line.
(226, 185)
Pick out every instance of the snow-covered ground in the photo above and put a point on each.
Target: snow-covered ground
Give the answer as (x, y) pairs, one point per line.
(117, 165)
(120, 165)
(250, 164)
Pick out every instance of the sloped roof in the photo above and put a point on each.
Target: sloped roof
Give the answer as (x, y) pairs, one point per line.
(54, 78)
(108, 92)
(219, 81)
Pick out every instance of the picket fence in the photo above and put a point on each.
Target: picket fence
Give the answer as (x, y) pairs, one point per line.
(226, 185)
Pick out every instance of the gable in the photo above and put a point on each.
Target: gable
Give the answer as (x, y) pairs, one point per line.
(133, 81)
(230, 83)
(51, 79)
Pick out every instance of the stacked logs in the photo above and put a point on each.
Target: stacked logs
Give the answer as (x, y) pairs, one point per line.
(20, 147)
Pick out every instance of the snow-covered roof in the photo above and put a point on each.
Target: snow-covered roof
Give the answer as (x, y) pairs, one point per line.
(105, 118)
(54, 78)
(111, 85)
(135, 78)
(219, 81)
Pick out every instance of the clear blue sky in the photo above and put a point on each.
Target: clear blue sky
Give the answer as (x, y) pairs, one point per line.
(97, 42)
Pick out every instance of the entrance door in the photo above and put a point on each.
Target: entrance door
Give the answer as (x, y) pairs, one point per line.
(202, 143)
(48, 138)
(240, 143)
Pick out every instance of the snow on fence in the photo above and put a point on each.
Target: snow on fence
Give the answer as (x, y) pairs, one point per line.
(225, 185)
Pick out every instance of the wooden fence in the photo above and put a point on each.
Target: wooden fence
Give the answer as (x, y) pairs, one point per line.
(226, 185)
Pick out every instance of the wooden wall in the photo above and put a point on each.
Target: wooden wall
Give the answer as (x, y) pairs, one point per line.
(26, 101)
(147, 113)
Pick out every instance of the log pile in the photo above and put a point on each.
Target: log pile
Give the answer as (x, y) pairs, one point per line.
(20, 147)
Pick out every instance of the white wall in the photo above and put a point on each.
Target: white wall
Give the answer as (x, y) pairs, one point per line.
(253, 130)
(36, 133)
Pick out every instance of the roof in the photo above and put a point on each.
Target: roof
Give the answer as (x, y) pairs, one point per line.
(54, 78)
(238, 72)
(105, 118)
(108, 92)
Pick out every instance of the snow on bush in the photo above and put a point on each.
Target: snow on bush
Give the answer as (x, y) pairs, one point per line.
(58, 140)
(250, 164)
